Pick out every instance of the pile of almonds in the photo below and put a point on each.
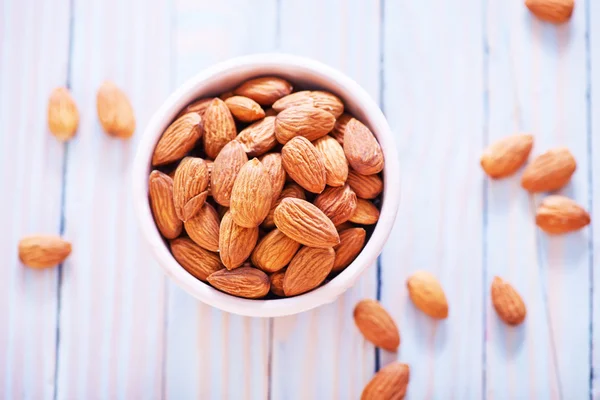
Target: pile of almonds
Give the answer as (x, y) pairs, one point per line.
(264, 191)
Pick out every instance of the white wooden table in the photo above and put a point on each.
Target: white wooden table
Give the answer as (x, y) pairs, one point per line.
(450, 76)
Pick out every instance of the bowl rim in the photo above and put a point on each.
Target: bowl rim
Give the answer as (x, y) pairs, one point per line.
(272, 307)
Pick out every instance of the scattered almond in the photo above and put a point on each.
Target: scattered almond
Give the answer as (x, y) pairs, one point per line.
(247, 282)
(43, 251)
(338, 203)
(194, 259)
(352, 241)
(291, 190)
(305, 223)
(334, 159)
(251, 195)
(304, 164)
(549, 171)
(376, 325)
(203, 228)
(504, 157)
(219, 127)
(427, 294)
(309, 122)
(365, 214)
(225, 170)
(258, 138)
(235, 242)
(559, 214)
(63, 116)
(307, 270)
(365, 186)
(189, 187)
(160, 191)
(274, 165)
(274, 251)
(390, 383)
(114, 111)
(362, 149)
(554, 11)
(507, 302)
(265, 91)
(244, 109)
(179, 138)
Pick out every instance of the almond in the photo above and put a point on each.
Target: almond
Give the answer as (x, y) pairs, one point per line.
(274, 251)
(376, 325)
(251, 196)
(352, 241)
(177, 140)
(390, 383)
(277, 283)
(362, 149)
(274, 165)
(259, 137)
(244, 109)
(43, 251)
(309, 122)
(504, 157)
(226, 95)
(160, 191)
(366, 213)
(559, 214)
(269, 112)
(209, 166)
(307, 270)
(63, 116)
(507, 302)
(198, 106)
(305, 223)
(247, 282)
(549, 171)
(315, 98)
(304, 164)
(346, 225)
(189, 187)
(291, 190)
(427, 294)
(225, 170)
(265, 91)
(337, 203)
(114, 111)
(340, 127)
(203, 228)
(334, 159)
(235, 242)
(365, 186)
(219, 127)
(194, 259)
(554, 11)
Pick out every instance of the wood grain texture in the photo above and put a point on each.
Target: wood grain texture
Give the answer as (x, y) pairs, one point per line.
(31, 176)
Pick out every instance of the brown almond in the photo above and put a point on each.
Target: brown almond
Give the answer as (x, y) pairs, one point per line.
(504, 157)
(362, 149)
(346, 225)
(427, 294)
(203, 228)
(390, 383)
(291, 190)
(251, 195)
(219, 127)
(340, 127)
(305, 223)
(269, 112)
(365, 214)
(559, 214)
(244, 109)
(277, 283)
(226, 95)
(309, 122)
(304, 164)
(334, 159)
(376, 325)
(189, 187)
(274, 251)
(235, 242)
(160, 191)
(554, 11)
(225, 170)
(365, 186)
(549, 171)
(307, 270)
(507, 302)
(265, 90)
(274, 165)
(315, 98)
(43, 251)
(351, 244)
(247, 282)
(194, 259)
(198, 106)
(338, 203)
(259, 137)
(114, 111)
(63, 116)
(177, 140)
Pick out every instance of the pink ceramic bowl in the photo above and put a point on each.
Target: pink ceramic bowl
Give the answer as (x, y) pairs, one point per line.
(223, 77)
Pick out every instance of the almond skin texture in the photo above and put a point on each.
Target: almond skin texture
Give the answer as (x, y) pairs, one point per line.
(235, 242)
(340, 128)
(247, 282)
(390, 383)
(160, 191)
(251, 196)
(277, 283)
(549, 171)
(376, 325)
(507, 302)
(554, 11)
(365, 186)
(274, 165)
(259, 137)
(504, 157)
(309, 122)
(307, 270)
(334, 159)
(194, 259)
(244, 109)
(265, 91)
(291, 190)
(225, 170)
(203, 228)
(274, 251)
(304, 164)
(219, 127)
(63, 116)
(43, 251)
(199, 107)
(337, 203)
(366, 213)
(314, 98)
(305, 223)
(179, 138)
(189, 187)
(427, 294)
(114, 111)
(352, 241)
(559, 214)
(362, 149)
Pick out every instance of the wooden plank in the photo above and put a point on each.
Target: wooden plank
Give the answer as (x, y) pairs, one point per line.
(433, 98)
(537, 83)
(112, 313)
(328, 355)
(213, 354)
(31, 160)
